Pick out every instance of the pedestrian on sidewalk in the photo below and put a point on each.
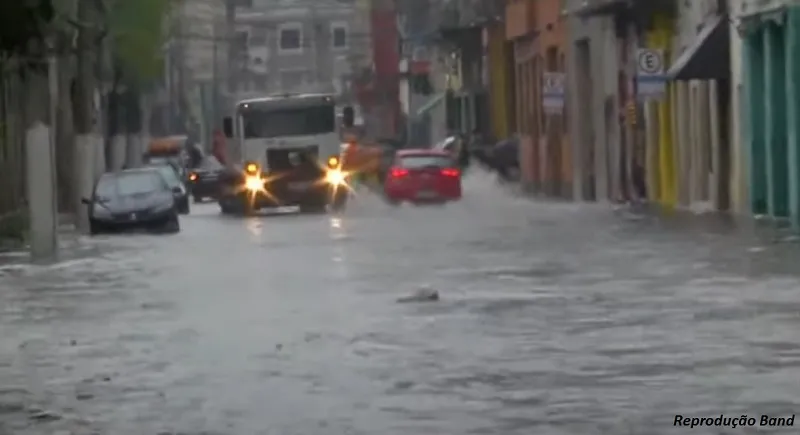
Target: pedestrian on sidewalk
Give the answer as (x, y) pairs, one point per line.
(218, 147)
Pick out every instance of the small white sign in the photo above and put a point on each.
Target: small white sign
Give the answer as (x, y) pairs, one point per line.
(553, 93)
(651, 82)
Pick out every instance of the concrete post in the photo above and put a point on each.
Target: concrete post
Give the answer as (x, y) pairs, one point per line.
(135, 149)
(40, 165)
(694, 144)
(651, 151)
(718, 184)
(683, 147)
(704, 141)
(118, 151)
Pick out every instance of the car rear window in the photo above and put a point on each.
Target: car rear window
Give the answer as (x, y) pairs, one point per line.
(169, 174)
(416, 161)
(211, 163)
(129, 183)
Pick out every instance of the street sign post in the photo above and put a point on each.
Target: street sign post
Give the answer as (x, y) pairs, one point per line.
(553, 93)
(651, 82)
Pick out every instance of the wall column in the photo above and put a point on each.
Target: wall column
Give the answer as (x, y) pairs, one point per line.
(683, 145)
(775, 102)
(754, 103)
(792, 47)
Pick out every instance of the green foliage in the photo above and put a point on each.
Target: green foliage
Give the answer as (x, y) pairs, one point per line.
(23, 22)
(137, 29)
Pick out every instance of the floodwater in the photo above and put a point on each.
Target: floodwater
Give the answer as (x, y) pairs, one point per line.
(554, 319)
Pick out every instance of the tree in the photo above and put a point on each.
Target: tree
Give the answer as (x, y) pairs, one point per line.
(137, 31)
(23, 25)
(137, 35)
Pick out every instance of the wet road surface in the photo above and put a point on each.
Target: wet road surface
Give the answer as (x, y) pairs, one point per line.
(554, 319)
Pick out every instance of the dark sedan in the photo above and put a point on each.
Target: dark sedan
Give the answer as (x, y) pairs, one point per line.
(204, 180)
(130, 199)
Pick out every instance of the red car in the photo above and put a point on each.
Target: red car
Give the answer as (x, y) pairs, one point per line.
(423, 175)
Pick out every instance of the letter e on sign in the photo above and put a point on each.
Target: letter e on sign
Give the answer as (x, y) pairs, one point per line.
(650, 62)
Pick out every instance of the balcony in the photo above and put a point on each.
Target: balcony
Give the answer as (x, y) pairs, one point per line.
(459, 14)
(520, 18)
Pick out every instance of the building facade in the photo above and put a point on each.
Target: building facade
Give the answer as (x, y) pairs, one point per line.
(770, 37)
(196, 49)
(300, 46)
(633, 141)
(538, 32)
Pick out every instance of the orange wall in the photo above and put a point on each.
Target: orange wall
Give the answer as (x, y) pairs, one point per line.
(551, 29)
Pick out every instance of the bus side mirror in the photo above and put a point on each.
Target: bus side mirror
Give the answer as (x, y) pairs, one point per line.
(227, 126)
(348, 117)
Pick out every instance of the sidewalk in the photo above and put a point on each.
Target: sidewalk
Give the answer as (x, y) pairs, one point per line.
(14, 252)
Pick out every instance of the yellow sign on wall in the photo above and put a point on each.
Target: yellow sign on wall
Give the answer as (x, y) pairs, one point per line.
(630, 113)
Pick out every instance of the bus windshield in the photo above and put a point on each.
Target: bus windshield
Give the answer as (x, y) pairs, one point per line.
(267, 123)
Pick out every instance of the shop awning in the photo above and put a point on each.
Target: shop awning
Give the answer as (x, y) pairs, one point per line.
(708, 57)
(751, 22)
(431, 104)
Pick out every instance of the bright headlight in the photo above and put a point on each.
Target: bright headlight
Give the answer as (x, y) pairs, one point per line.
(335, 177)
(254, 183)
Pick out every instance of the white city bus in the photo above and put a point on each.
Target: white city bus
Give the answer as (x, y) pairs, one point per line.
(288, 149)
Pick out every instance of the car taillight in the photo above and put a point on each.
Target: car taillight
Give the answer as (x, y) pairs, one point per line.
(398, 172)
(451, 172)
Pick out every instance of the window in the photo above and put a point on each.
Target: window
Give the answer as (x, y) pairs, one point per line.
(339, 36)
(267, 123)
(291, 38)
(419, 161)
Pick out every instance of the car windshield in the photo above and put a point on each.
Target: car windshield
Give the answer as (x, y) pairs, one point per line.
(169, 175)
(417, 161)
(173, 162)
(129, 183)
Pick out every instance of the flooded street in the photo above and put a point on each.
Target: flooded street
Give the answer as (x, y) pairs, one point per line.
(553, 319)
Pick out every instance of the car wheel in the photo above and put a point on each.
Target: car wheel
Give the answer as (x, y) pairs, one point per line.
(172, 225)
(184, 206)
(197, 199)
(94, 228)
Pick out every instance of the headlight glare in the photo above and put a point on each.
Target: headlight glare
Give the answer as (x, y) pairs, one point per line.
(254, 183)
(335, 177)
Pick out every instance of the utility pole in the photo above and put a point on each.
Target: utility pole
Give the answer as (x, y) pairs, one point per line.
(215, 112)
(180, 64)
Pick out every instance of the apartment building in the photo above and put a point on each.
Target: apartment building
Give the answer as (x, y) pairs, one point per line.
(195, 49)
(300, 45)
